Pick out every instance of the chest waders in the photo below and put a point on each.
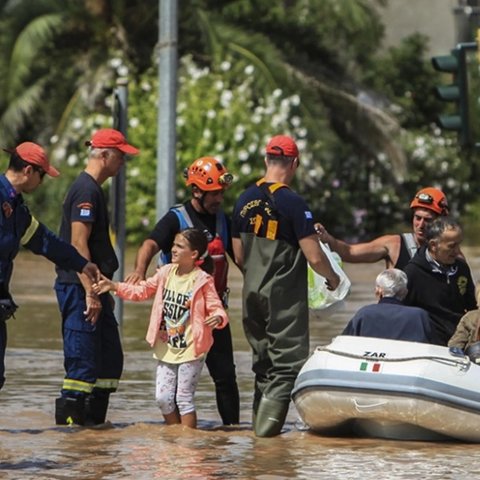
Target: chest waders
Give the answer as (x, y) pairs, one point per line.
(276, 325)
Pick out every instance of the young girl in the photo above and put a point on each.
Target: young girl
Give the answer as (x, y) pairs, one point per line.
(185, 310)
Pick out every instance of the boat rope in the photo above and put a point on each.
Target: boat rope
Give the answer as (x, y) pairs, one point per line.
(463, 363)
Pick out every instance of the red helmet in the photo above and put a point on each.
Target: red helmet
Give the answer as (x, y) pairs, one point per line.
(208, 174)
(431, 199)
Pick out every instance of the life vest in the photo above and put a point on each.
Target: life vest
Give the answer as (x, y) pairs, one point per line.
(408, 248)
(410, 243)
(216, 247)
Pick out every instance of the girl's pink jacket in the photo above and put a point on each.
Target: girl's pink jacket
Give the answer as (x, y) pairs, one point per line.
(204, 303)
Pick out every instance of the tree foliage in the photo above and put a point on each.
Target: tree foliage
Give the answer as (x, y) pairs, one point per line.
(313, 68)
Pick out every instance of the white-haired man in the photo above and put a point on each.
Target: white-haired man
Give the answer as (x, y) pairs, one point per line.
(93, 356)
(389, 318)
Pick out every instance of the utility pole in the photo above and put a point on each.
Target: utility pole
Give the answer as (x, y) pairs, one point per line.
(117, 202)
(167, 105)
(467, 20)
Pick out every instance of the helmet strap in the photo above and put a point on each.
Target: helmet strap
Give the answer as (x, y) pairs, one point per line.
(198, 197)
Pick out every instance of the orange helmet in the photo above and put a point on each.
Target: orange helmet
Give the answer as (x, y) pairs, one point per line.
(208, 174)
(431, 199)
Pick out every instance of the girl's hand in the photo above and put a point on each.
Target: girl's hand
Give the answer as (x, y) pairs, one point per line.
(104, 285)
(213, 321)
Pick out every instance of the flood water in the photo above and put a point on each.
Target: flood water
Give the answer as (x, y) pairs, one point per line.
(138, 445)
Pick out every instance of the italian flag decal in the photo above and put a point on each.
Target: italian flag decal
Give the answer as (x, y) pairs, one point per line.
(370, 367)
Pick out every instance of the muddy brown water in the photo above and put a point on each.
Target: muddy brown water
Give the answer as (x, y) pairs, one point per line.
(138, 445)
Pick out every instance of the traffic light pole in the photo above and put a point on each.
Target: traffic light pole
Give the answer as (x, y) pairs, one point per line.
(457, 92)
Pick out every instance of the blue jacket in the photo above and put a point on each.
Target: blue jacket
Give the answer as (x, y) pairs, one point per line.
(18, 227)
(389, 318)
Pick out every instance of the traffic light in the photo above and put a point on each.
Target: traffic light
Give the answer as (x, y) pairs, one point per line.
(456, 92)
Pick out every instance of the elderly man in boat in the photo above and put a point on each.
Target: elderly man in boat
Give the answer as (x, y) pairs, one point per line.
(389, 318)
(439, 279)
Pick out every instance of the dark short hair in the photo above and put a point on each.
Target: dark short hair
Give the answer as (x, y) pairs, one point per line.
(17, 163)
(198, 241)
(282, 159)
(435, 228)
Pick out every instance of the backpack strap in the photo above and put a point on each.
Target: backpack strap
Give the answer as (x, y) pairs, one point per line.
(186, 222)
(183, 216)
(272, 222)
(221, 227)
(270, 189)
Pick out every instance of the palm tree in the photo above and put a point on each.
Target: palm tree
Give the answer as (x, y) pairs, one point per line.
(56, 58)
(56, 52)
(291, 45)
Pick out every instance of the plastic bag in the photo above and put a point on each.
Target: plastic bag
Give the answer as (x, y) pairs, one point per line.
(319, 297)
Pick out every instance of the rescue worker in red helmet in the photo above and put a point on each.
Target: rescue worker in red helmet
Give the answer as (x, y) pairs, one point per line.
(208, 179)
(208, 174)
(431, 199)
(396, 249)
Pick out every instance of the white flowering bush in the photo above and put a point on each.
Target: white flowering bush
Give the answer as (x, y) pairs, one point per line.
(220, 113)
(435, 160)
(361, 197)
(225, 112)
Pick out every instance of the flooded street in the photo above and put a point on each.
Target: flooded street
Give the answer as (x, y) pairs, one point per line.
(138, 445)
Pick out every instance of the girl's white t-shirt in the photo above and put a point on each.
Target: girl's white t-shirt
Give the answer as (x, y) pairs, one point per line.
(177, 294)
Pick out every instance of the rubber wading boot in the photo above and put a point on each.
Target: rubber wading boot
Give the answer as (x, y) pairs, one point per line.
(69, 410)
(96, 409)
(270, 417)
(257, 395)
